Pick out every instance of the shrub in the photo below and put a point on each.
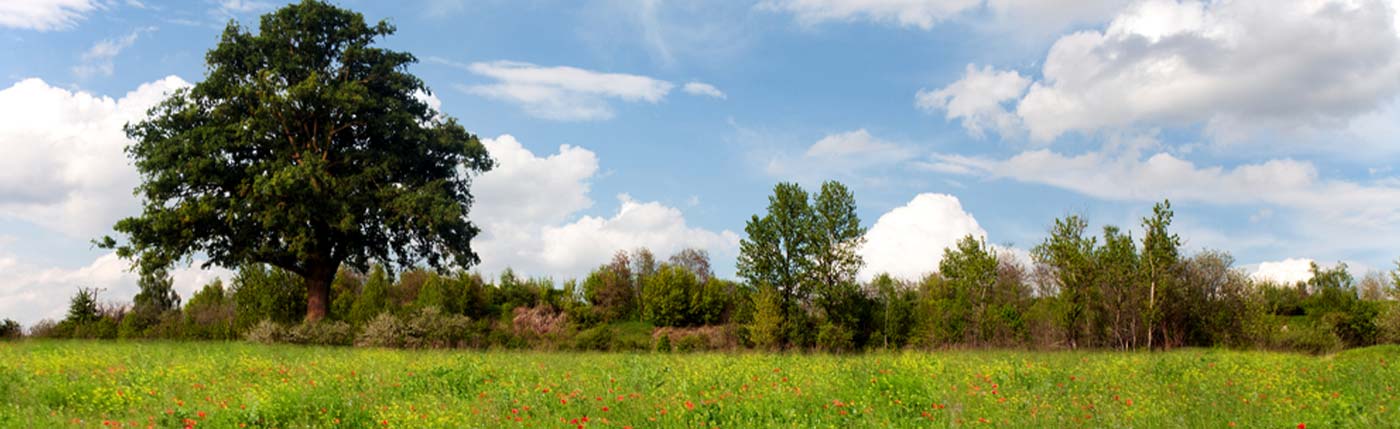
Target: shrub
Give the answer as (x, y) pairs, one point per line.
(598, 338)
(700, 338)
(383, 330)
(46, 328)
(10, 329)
(1388, 323)
(322, 333)
(430, 328)
(537, 321)
(266, 332)
(832, 337)
(692, 343)
(1309, 338)
(663, 344)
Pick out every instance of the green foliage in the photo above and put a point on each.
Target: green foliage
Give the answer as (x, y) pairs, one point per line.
(833, 337)
(775, 253)
(1334, 302)
(1160, 261)
(803, 247)
(766, 331)
(267, 293)
(210, 314)
(969, 275)
(373, 299)
(306, 146)
(667, 297)
(10, 330)
(347, 287)
(1069, 256)
(611, 291)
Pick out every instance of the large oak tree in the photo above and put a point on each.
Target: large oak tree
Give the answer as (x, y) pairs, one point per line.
(304, 148)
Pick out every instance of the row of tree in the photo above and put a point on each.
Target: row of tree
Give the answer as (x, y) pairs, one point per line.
(799, 290)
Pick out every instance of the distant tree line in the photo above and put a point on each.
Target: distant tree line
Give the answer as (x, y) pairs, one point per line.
(797, 290)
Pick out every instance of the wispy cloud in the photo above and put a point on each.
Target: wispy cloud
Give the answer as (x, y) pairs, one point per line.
(44, 15)
(703, 89)
(561, 92)
(98, 60)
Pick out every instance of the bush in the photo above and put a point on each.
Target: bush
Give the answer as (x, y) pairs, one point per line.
(699, 338)
(430, 328)
(46, 328)
(266, 332)
(1309, 338)
(1388, 323)
(322, 333)
(832, 337)
(692, 343)
(383, 330)
(663, 344)
(599, 338)
(10, 329)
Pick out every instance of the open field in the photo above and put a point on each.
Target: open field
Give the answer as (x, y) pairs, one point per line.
(89, 384)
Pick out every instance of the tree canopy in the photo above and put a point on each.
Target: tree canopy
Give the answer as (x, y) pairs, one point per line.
(304, 148)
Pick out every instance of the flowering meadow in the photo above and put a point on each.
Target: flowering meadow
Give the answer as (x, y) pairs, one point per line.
(139, 384)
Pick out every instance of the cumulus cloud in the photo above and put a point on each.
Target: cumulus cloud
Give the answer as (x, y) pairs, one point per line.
(1324, 212)
(1232, 67)
(841, 153)
(97, 60)
(529, 209)
(704, 89)
(563, 93)
(581, 245)
(29, 293)
(908, 241)
(44, 15)
(64, 167)
(978, 100)
(1286, 272)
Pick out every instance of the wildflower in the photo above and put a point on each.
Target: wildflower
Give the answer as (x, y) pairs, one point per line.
(689, 405)
(1302, 426)
(605, 409)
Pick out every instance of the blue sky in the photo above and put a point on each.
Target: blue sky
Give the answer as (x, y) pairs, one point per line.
(1272, 126)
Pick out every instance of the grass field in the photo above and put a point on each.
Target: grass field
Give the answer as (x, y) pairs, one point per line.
(91, 384)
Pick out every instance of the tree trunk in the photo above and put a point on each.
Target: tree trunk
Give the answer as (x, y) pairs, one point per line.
(318, 290)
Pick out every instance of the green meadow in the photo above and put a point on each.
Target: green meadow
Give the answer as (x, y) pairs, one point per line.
(215, 384)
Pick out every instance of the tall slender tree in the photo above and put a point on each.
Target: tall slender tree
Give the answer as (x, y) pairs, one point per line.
(1161, 259)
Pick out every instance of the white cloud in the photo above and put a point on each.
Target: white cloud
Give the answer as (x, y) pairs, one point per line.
(842, 153)
(905, 13)
(29, 293)
(98, 59)
(1236, 68)
(705, 89)
(64, 167)
(529, 210)
(1286, 272)
(44, 15)
(579, 246)
(908, 242)
(563, 93)
(1330, 216)
(978, 100)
